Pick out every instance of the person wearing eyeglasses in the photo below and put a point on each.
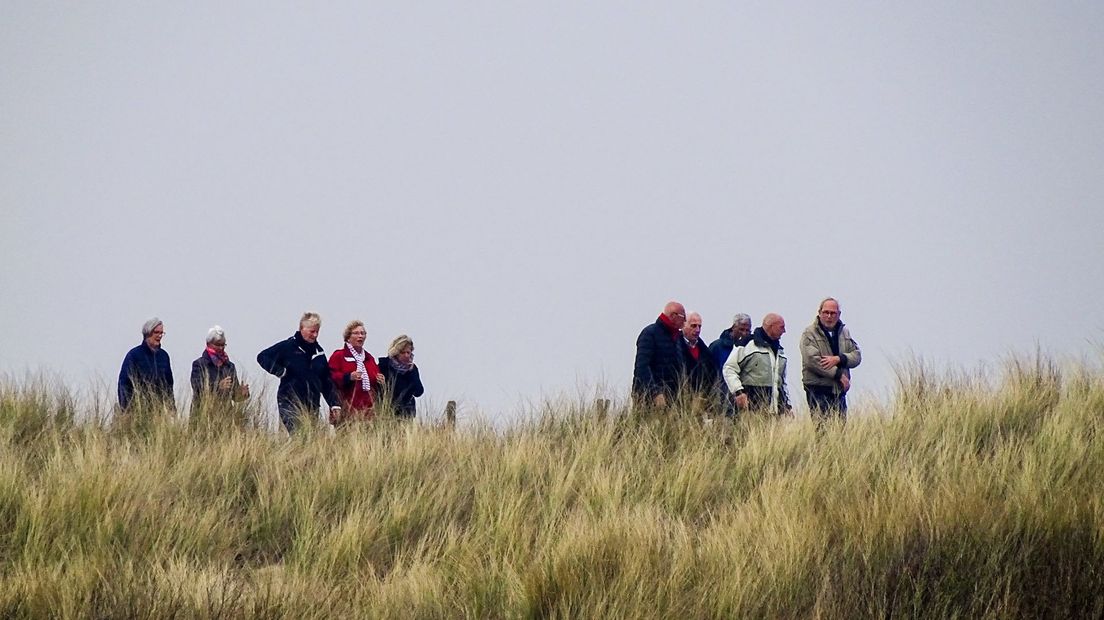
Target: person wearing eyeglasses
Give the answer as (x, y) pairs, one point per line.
(356, 375)
(146, 375)
(214, 379)
(660, 364)
(828, 353)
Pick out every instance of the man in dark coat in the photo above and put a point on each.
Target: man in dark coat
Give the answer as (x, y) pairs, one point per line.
(660, 358)
(304, 373)
(146, 371)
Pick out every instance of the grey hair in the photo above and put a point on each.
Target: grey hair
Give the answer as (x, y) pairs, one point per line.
(398, 344)
(309, 319)
(216, 334)
(149, 326)
(741, 318)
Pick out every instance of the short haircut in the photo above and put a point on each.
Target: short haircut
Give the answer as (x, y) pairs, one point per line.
(826, 300)
(741, 318)
(310, 319)
(398, 344)
(350, 327)
(149, 326)
(216, 334)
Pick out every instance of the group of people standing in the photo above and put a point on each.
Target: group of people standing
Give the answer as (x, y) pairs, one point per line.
(744, 369)
(351, 380)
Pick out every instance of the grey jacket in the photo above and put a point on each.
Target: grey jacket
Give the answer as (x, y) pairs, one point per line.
(814, 344)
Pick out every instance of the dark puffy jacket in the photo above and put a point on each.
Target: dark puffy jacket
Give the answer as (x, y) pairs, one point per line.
(660, 362)
(304, 373)
(149, 370)
(402, 387)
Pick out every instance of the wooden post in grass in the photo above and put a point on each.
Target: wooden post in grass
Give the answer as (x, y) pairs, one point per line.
(450, 414)
(602, 405)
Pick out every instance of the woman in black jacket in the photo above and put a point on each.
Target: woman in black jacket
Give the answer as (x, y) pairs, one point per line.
(403, 383)
(304, 373)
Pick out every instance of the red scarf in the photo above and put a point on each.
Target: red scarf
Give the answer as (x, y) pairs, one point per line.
(218, 358)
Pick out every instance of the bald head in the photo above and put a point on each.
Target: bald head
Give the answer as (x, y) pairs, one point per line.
(774, 325)
(693, 327)
(676, 313)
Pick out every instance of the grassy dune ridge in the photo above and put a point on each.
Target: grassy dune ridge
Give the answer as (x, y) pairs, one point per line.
(962, 499)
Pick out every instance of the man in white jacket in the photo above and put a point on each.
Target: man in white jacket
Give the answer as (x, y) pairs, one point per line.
(756, 370)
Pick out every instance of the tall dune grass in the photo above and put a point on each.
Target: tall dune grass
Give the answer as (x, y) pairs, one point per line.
(961, 499)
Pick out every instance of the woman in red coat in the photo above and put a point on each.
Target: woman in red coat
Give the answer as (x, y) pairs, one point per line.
(355, 374)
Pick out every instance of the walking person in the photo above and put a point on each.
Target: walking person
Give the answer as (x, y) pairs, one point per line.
(403, 383)
(356, 375)
(756, 370)
(145, 377)
(304, 374)
(216, 387)
(828, 353)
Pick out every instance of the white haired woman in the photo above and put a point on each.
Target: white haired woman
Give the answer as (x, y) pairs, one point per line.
(404, 384)
(214, 379)
(304, 373)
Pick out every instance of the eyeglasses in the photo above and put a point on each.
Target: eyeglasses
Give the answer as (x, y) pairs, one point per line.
(679, 314)
(829, 312)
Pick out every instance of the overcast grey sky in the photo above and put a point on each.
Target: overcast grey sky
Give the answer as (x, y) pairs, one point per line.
(521, 186)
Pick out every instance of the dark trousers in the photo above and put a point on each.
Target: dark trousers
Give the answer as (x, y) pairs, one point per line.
(825, 403)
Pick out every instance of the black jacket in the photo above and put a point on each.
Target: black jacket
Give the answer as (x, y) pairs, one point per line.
(304, 373)
(660, 362)
(703, 375)
(402, 387)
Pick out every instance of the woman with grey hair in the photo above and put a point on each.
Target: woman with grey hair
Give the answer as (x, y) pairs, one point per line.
(214, 379)
(403, 383)
(147, 373)
(304, 373)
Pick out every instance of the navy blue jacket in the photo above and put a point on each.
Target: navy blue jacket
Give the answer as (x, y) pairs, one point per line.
(721, 348)
(403, 387)
(146, 369)
(660, 362)
(703, 374)
(205, 379)
(304, 373)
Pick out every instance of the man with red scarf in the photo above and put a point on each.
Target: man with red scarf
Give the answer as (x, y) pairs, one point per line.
(661, 354)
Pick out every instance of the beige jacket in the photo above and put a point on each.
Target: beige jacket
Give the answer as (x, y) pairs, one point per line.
(814, 344)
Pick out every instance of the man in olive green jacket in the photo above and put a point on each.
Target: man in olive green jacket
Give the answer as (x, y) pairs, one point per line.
(828, 353)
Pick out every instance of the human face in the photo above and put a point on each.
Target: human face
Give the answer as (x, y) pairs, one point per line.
(829, 314)
(154, 339)
(218, 346)
(309, 332)
(775, 329)
(406, 356)
(357, 337)
(741, 330)
(693, 327)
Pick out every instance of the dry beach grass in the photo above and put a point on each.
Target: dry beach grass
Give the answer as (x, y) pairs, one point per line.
(961, 499)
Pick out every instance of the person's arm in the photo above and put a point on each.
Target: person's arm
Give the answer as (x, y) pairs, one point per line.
(643, 381)
(126, 385)
(416, 388)
(271, 359)
(731, 371)
(198, 379)
(337, 369)
(853, 357)
(811, 354)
